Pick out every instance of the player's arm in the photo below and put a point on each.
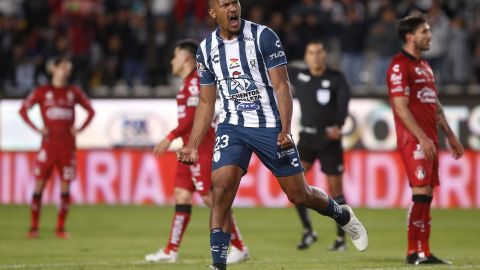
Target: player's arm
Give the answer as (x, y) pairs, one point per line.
(201, 123)
(455, 145)
(275, 61)
(400, 105)
(83, 100)
(27, 104)
(279, 78)
(343, 98)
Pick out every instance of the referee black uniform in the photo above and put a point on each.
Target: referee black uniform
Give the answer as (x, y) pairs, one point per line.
(324, 102)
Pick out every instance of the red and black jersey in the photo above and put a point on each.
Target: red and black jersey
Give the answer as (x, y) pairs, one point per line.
(57, 107)
(187, 101)
(410, 77)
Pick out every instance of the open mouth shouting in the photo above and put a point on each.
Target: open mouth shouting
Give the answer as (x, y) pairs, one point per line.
(234, 21)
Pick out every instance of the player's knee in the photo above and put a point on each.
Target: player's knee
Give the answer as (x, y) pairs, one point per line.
(298, 197)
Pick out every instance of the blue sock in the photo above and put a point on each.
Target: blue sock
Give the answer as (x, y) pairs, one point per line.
(339, 214)
(219, 242)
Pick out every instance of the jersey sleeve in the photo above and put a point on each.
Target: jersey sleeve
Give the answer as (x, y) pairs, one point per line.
(397, 79)
(206, 75)
(343, 100)
(83, 100)
(28, 103)
(272, 49)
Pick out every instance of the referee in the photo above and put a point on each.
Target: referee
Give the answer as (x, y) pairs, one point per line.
(323, 94)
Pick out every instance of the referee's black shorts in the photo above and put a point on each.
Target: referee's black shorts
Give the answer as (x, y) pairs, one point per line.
(329, 152)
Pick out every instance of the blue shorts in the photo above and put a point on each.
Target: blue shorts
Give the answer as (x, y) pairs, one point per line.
(234, 146)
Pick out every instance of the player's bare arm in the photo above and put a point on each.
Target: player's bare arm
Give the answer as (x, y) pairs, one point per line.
(201, 123)
(455, 145)
(400, 105)
(281, 84)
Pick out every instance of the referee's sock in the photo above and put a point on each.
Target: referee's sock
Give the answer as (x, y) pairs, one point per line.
(304, 217)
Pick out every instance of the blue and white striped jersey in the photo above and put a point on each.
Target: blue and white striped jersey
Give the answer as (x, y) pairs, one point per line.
(240, 67)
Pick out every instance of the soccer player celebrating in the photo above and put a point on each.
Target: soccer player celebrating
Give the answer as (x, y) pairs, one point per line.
(57, 102)
(196, 177)
(417, 112)
(247, 63)
(323, 94)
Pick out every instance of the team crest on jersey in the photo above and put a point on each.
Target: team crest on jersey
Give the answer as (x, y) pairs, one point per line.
(242, 89)
(216, 156)
(326, 83)
(49, 95)
(70, 97)
(420, 173)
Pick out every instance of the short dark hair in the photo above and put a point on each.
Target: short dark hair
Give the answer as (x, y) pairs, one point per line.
(409, 24)
(189, 45)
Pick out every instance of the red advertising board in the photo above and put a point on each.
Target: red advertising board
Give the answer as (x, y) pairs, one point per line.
(372, 179)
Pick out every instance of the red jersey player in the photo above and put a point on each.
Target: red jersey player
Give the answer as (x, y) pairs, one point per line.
(196, 177)
(417, 112)
(57, 102)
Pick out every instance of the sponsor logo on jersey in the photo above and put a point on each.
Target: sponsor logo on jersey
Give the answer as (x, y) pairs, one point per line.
(397, 89)
(248, 39)
(215, 59)
(250, 49)
(277, 43)
(420, 80)
(427, 95)
(396, 68)
(248, 106)
(420, 173)
(234, 63)
(243, 89)
(59, 113)
(277, 55)
(70, 98)
(323, 96)
(396, 79)
(193, 101)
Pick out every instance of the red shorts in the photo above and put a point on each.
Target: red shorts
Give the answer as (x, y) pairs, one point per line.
(65, 161)
(196, 177)
(420, 171)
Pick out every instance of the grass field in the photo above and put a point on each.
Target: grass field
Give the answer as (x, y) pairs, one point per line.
(117, 237)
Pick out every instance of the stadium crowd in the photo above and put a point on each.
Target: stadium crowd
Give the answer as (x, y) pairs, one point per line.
(123, 47)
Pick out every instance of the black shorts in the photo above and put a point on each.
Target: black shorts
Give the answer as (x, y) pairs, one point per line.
(329, 152)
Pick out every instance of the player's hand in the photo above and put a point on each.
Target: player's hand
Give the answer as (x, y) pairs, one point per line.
(43, 131)
(333, 132)
(428, 148)
(161, 147)
(187, 155)
(455, 146)
(74, 131)
(285, 140)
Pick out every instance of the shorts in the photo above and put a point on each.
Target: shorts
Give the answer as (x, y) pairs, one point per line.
(330, 153)
(64, 160)
(196, 177)
(234, 146)
(420, 171)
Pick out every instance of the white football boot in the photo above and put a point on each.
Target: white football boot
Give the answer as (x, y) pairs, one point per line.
(161, 256)
(237, 256)
(355, 230)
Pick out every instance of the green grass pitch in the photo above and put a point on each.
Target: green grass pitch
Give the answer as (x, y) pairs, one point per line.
(117, 237)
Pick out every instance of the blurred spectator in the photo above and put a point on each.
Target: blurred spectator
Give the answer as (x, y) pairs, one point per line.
(385, 43)
(439, 24)
(352, 39)
(457, 61)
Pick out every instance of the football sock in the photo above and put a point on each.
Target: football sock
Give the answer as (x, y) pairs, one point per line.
(339, 214)
(425, 230)
(219, 247)
(236, 238)
(340, 200)
(304, 217)
(63, 211)
(35, 210)
(179, 225)
(415, 222)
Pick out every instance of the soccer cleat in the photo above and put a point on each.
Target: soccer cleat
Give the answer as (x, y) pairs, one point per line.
(308, 238)
(162, 256)
(338, 245)
(212, 267)
(431, 260)
(62, 234)
(355, 230)
(237, 256)
(32, 233)
(411, 258)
